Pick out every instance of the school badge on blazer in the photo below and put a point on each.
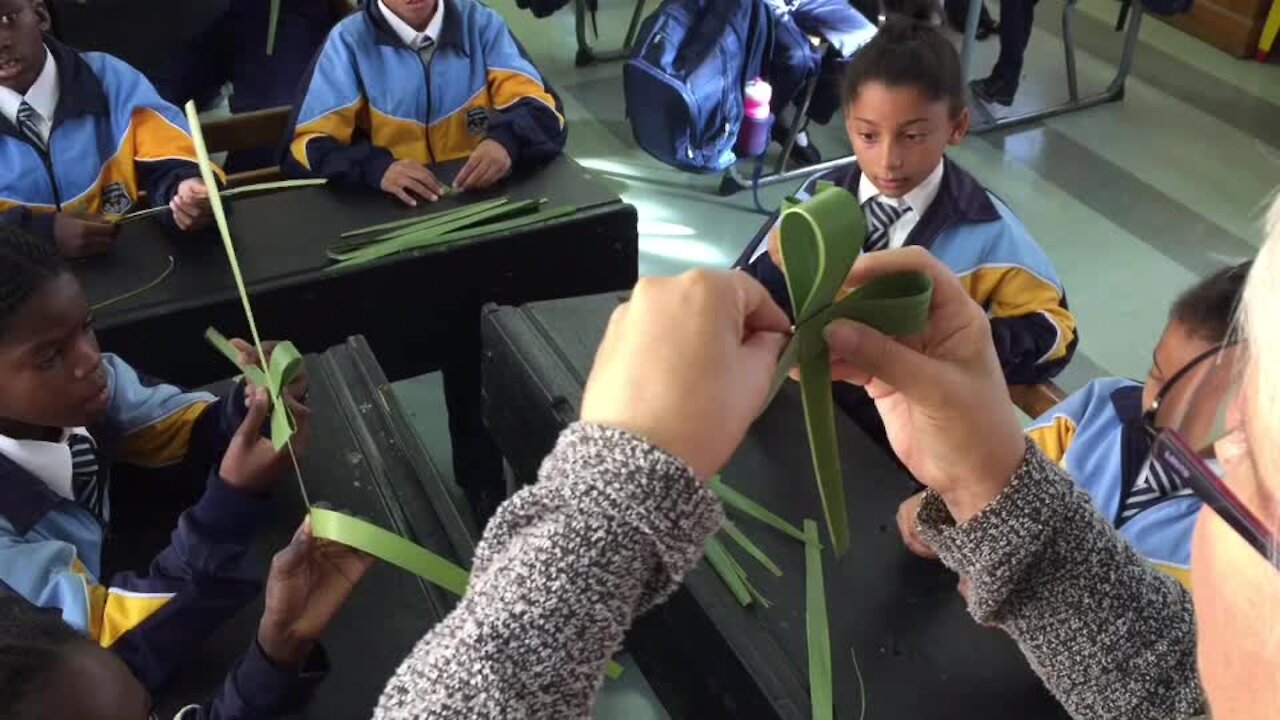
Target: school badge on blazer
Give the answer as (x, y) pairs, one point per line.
(116, 199)
(477, 120)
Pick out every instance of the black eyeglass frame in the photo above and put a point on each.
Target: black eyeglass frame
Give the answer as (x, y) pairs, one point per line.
(1186, 466)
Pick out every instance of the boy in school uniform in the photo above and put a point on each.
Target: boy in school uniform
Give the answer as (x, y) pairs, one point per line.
(68, 415)
(904, 105)
(1102, 434)
(81, 135)
(410, 83)
(49, 670)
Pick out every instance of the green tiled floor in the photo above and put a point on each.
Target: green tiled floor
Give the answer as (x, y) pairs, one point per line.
(1132, 201)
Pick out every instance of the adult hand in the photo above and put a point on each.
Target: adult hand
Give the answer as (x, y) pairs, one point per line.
(775, 245)
(81, 235)
(190, 205)
(251, 463)
(308, 583)
(297, 389)
(941, 394)
(406, 179)
(686, 364)
(907, 527)
(489, 163)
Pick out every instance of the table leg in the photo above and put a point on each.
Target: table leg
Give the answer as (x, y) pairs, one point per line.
(477, 462)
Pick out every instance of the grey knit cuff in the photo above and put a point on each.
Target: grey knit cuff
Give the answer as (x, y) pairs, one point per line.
(994, 548)
(617, 473)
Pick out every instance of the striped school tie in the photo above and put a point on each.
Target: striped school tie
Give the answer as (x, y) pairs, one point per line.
(427, 49)
(85, 475)
(27, 126)
(1152, 486)
(880, 217)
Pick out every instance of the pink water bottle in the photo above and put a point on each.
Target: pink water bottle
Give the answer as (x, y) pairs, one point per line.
(753, 137)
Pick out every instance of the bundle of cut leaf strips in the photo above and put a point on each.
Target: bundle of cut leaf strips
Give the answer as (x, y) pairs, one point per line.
(441, 228)
(723, 561)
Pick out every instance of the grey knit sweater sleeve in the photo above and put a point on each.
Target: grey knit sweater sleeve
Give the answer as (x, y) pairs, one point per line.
(1111, 636)
(563, 568)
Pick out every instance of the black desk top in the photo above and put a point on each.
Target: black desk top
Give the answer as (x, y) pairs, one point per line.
(919, 652)
(281, 239)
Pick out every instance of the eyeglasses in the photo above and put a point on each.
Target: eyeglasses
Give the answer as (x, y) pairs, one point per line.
(1203, 428)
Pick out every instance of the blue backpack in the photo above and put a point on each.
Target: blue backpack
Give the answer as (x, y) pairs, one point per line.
(683, 84)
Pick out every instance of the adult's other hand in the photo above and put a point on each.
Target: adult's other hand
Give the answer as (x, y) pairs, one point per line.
(686, 364)
(941, 393)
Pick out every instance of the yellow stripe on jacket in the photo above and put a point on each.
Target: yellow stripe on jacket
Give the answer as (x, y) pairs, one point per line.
(1181, 574)
(1054, 438)
(339, 124)
(114, 612)
(507, 87)
(1008, 291)
(150, 137)
(119, 611)
(163, 442)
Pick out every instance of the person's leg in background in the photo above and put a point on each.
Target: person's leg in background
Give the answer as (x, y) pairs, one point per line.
(791, 65)
(1016, 17)
(198, 72)
(957, 11)
(260, 81)
(846, 30)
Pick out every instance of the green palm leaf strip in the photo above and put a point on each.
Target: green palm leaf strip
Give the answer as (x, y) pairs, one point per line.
(424, 220)
(273, 19)
(723, 563)
(429, 238)
(264, 187)
(326, 523)
(819, 239)
(751, 548)
(281, 370)
(751, 508)
(816, 629)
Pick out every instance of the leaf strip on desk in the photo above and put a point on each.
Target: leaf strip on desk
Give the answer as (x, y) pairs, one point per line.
(746, 505)
(134, 293)
(819, 240)
(466, 220)
(272, 186)
(817, 631)
(735, 533)
(398, 245)
(725, 566)
(435, 216)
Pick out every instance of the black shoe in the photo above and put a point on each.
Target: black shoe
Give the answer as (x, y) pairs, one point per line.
(801, 155)
(994, 90)
(986, 30)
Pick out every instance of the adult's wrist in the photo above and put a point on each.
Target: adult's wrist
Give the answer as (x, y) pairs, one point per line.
(967, 496)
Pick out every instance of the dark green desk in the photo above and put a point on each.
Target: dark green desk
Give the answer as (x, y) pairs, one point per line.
(920, 654)
(419, 310)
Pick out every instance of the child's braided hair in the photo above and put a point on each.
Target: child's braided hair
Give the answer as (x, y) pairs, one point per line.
(33, 642)
(26, 264)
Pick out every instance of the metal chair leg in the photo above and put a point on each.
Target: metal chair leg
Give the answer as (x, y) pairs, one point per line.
(1069, 48)
(1113, 92)
(588, 55)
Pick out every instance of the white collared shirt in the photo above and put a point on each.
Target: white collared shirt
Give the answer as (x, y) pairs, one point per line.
(405, 31)
(918, 200)
(49, 462)
(42, 96)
